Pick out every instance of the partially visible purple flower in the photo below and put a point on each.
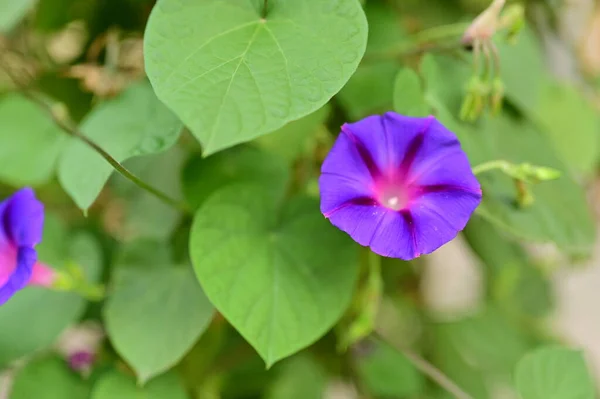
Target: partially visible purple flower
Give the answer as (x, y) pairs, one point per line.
(21, 224)
(400, 185)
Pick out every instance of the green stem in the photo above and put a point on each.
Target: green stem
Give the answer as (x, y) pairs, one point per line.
(265, 7)
(60, 121)
(428, 369)
(491, 165)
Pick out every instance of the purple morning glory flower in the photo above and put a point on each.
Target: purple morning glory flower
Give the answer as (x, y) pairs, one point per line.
(400, 185)
(21, 223)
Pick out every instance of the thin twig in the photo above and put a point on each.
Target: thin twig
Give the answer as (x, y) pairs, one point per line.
(428, 369)
(74, 132)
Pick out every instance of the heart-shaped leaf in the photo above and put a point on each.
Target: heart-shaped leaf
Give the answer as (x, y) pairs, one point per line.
(135, 123)
(282, 277)
(232, 75)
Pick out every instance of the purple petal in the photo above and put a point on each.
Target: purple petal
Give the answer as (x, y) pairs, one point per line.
(23, 219)
(386, 232)
(389, 138)
(26, 258)
(439, 216)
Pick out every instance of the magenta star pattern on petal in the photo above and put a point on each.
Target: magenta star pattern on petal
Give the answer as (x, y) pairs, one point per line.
(21, 224)
(402, 186)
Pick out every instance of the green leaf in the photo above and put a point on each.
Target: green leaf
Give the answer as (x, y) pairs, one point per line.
(55, 311)
(523, 70)
(282, 276)
(517, 285)
(572, 123)
(114, 385)
(203, 176)
(295, 138)
(135, 123)
(559, 214)
(409, 98)
(31, 142)
(12, 12)
(388, 373)
(48, 378)
(155, 306)
(294, 375)
(145, 215)
(369, 91)
(554, 373)
(237, 76)
(386, 31)
(488, 341)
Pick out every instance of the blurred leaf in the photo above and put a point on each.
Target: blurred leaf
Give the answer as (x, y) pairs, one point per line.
(385, 29)
(560, 213)
(113, 385)
(135, 123)
(517, 285)
(523, 70)
(297, 271)
(203, 176)
(572, 124)
(31, 142)
(370, 90)
(554, 373)
(388, 373)
(146, 216)
(488, 341)
(155, 306)
(12, 12)
(300, 377)
(409, 98)
(294, 138)
(48, 378)
(448, 358)
(249, 75)
(53, 311)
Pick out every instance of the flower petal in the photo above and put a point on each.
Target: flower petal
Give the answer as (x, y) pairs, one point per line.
(388, 138)
(439, 216)
(23, 219)
(386, 232)
(26, 258)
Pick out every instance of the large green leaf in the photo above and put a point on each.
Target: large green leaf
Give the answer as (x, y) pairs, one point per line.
(31, 142)
(203, 176)
(232, 75)
(135, 123)
(282, 275)
(48, 378)
(11, 12)
(554, 373)
(155, 306)
(115, 385)
(55, 311)
(560, 213)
